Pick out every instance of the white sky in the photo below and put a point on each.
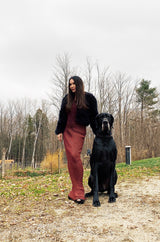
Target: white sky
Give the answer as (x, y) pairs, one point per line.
(122, 34)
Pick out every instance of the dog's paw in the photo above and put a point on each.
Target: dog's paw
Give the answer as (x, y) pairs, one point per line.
(96, 203)
(112, 199)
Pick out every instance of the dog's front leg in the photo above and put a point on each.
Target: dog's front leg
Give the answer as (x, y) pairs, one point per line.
(112, 195)
(96, 202)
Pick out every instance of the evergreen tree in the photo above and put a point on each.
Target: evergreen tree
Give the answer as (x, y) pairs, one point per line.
(146, 97)
(42, 142)
(29, 141)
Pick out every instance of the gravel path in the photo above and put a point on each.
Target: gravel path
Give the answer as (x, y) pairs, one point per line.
(134, 217)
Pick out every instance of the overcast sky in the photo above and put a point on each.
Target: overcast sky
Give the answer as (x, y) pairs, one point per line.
(122, 34)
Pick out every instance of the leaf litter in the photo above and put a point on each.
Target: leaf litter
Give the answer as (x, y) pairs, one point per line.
(38, 209)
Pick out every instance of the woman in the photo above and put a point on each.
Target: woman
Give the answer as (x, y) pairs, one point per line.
(78, 109)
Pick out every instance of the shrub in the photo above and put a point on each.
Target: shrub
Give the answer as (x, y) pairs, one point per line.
(53, 161)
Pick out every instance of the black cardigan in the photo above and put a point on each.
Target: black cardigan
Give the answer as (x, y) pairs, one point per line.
(83, 116)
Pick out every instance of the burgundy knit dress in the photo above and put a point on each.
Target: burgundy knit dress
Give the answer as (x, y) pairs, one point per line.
(73, 137)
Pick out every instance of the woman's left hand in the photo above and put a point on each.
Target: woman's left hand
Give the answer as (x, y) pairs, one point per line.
(59, 137)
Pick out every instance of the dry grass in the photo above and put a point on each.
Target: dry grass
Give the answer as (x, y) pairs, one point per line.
(34, 206)
(54, 161)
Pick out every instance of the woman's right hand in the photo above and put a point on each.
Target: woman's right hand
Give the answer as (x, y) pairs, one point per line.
(59, 137)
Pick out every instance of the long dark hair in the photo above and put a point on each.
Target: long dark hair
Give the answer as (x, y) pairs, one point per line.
(79, 95)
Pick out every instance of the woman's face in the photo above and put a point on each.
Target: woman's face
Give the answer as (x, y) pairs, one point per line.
(72, 85)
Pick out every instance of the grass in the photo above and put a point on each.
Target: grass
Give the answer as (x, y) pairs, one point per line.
(34, 198)
(37, 184)
(138, 169)
(23, 173)
(31, 193)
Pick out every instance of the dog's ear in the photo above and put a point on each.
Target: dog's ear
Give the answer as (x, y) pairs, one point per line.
(112, 120)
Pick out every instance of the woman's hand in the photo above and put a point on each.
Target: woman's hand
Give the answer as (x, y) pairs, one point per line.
(59, 137)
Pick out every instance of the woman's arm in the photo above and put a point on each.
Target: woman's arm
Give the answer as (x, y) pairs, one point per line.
(93, 113)
(62, 120)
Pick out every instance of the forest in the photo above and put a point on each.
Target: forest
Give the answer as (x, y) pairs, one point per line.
(27, 127)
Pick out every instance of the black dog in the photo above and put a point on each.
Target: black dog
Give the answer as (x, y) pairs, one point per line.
(103, 176)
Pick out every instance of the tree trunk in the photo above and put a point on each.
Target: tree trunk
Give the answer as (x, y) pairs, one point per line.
(24, 143)
(3, 162)
(9, 149)
(35, 142)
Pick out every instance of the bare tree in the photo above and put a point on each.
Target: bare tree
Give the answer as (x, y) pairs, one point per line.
(3, 162)
(24, 140)
(36, 133)
(128, 106)
(22, 108)
(61, 73)
(88, 76)
(104, 87)
(4, 128)
(121, 82)
(11, 125)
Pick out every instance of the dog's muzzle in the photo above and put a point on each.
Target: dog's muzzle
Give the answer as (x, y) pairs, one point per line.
(105, 124)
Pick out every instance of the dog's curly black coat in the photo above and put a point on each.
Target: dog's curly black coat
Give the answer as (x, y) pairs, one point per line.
(103, 176)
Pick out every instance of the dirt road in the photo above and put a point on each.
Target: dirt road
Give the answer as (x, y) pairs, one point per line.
(134, 217)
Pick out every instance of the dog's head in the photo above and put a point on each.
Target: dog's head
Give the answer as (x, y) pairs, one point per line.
(104, 123)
